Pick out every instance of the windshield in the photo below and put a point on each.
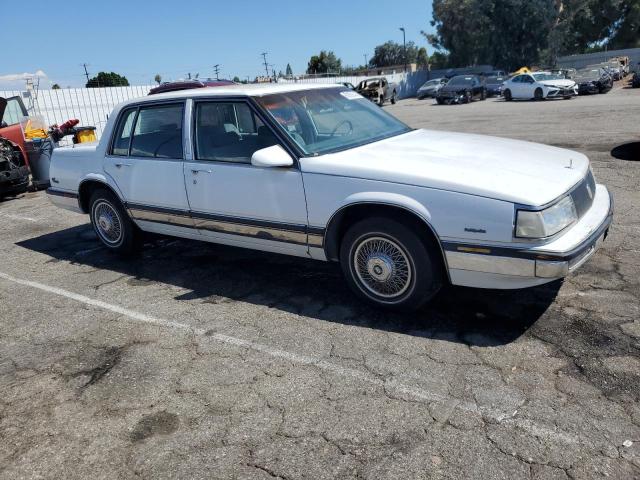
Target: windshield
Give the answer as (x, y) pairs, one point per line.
(496, 79)
(460, 81)
(547, 76)
(431, 83)
(588, 73)
(325, 120)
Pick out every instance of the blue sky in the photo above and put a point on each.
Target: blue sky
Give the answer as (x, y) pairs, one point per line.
(142, 38)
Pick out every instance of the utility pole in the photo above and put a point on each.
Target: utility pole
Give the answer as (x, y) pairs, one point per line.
(366, 62)
(86, 73)
(266, 65)
(216, 70)
(404, 47)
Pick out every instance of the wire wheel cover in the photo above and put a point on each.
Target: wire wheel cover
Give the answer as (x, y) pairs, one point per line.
(382, 267)
(107, 222)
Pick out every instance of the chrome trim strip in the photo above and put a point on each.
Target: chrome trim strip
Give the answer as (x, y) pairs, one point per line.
(255, 231)
(61, 193)
(489, 264)
(162, 217)
(316, 240)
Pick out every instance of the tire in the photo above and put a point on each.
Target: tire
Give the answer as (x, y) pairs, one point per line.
(468, 97)
(538, 94)
(381, 100)
(383, 246)
(112, 224)
(507, 95)
(393, 98)
(440, 101)
(483, 95)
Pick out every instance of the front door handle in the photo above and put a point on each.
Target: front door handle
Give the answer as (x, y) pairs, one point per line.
(120, 165)
(195, 171)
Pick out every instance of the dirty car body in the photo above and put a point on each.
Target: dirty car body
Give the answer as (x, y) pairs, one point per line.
(378, 90)
(14, 170)
(322, 173)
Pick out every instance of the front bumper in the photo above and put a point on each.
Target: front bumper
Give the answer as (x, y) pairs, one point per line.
(563, 92)
(64, 199)
(15, 179)
(490, 266)
(587, 88)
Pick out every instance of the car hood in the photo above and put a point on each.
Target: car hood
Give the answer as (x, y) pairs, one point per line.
(504, 169)
(455, 88)
(559, 83)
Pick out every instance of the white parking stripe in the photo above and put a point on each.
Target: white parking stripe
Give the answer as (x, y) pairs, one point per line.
(393, 387)
(11, 216)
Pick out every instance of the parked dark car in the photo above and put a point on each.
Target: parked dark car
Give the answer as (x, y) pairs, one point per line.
(635, 81)
(494, 85)
(462, 89)
(430, 88)
(593, 80)
(378, 90)
(188, 84)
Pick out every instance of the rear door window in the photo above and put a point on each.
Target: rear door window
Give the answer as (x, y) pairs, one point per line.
(158, 132)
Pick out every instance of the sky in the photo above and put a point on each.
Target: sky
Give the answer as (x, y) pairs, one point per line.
(140, 38)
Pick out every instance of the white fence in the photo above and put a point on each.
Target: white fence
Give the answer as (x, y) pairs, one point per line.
(91, 106)
(408, 82)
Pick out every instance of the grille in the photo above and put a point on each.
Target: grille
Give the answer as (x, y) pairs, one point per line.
(583, 194)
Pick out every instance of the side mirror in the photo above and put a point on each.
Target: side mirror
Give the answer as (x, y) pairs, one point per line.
(274, 156)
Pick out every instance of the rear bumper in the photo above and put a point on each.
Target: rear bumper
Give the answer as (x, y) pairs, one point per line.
(64, 199)
(488, 266)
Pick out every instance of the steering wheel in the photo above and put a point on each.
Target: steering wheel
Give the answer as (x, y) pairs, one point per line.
(344, 122)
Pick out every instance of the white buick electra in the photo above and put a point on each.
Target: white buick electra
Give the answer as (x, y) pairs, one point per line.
(321, 172)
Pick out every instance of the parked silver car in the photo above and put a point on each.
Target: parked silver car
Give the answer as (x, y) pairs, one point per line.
(431, 88)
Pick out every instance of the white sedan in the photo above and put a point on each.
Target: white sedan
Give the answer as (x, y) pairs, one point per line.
(321, 172)
(539, 85)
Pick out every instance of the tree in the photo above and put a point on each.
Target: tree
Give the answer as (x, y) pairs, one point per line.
(422, 59)
(236, 79)
(325, 62)
(289, 71)
(158, 78)
(104, 79)
(55, 86)
(392, 53)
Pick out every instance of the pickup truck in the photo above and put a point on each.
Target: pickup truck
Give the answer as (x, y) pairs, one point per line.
(378, 90)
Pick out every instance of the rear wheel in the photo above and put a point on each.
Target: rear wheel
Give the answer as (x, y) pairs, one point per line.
(387, 264)
(538, 95)
(507, 95)
(394, 98)
(112, 224)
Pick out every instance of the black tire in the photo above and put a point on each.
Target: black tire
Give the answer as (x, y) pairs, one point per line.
(440, 101)
(507, 95)
(112, 224)
(393, 98)
(424, 277)
(538, 94)
(381, 100)
(468, 97)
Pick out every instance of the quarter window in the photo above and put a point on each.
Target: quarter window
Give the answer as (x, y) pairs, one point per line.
(122, 138)
(158, 132)
(229, 132)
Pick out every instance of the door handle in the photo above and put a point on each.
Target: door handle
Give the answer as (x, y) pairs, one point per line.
(120, 165)
(195, 171)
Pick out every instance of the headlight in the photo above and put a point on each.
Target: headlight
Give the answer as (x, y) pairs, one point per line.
(546, 222)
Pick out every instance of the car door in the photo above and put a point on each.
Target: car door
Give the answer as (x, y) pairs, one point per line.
(145, 159)
(233, 201)
(528, 86)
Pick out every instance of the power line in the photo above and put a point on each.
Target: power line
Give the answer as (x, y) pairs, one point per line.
(266, 65)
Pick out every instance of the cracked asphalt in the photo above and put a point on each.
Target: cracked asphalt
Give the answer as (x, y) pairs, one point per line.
(198, 361)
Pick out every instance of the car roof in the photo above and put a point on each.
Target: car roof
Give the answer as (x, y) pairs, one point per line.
(248, 90)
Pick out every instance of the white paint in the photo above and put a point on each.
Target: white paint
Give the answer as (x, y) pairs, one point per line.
(392, 387)
(11, 216)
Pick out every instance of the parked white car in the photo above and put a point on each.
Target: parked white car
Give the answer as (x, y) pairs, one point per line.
(321, 172)
(539, 85)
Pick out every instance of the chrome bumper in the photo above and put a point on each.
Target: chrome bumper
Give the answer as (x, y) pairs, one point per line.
(540, 262)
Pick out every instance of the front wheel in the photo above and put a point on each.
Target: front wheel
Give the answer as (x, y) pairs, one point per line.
(507, 95)
(387, 264)
(111, 223)
(538, 94)
(381, 100)
(440, 101)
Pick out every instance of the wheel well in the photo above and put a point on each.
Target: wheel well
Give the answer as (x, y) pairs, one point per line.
(86, 190)
(348, 216)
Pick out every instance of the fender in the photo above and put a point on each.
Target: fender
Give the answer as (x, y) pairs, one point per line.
(106, 180)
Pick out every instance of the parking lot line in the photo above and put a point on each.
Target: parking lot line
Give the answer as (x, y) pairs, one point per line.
(392, 387)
